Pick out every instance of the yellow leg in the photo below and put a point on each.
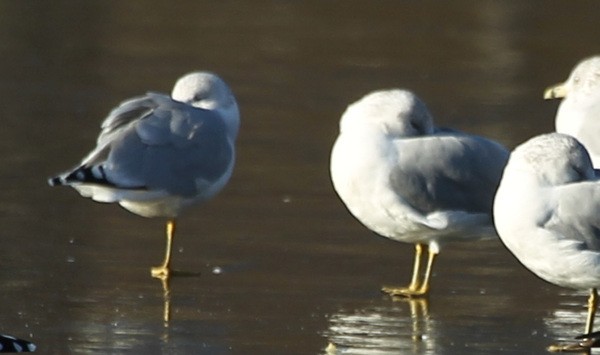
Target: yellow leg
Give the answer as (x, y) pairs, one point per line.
(424, 289)
(414, 281)
(163, 270)
(592, 305)
(584, 344)
(416, 288)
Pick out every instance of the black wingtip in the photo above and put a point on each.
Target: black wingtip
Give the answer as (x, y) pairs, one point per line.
(82, 175)
(10, 344)
(55, 181)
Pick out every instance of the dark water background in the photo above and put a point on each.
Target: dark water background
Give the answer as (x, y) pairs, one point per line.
(296, 270)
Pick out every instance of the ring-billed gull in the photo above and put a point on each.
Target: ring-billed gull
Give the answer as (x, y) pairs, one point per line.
(547, 213)
(409, 181)
(579, 112)
(158, 154)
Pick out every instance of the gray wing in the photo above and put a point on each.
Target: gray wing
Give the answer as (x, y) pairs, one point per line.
(128, 112)
(577, 214)
(588, 135)
(154, 142)
(449, 171)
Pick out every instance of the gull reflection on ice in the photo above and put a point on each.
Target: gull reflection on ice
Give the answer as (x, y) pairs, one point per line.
(401, 327)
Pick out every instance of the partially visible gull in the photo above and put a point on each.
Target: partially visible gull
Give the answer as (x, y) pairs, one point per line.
(547, 213)
(10, 344)
(579, 112)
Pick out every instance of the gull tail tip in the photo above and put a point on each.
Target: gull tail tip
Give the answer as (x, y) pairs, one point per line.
(56, 181)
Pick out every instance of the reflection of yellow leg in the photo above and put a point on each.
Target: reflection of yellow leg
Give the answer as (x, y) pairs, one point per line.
(419, 307)
(166, 299)
(163, 270)
(416, 288)
(419, 314)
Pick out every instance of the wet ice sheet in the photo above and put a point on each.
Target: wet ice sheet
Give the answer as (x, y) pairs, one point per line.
(295, 263)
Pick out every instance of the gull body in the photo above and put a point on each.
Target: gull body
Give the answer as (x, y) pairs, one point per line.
(579, 112)
(409, 181)
(158, 154)
(547, 213)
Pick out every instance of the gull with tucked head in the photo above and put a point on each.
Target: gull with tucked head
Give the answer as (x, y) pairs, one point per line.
(412, 182)
(158, 154)
(547, 213)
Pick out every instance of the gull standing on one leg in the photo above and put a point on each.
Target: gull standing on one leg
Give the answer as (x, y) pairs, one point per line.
(158, 154)
(409, 181)
(547, 213)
